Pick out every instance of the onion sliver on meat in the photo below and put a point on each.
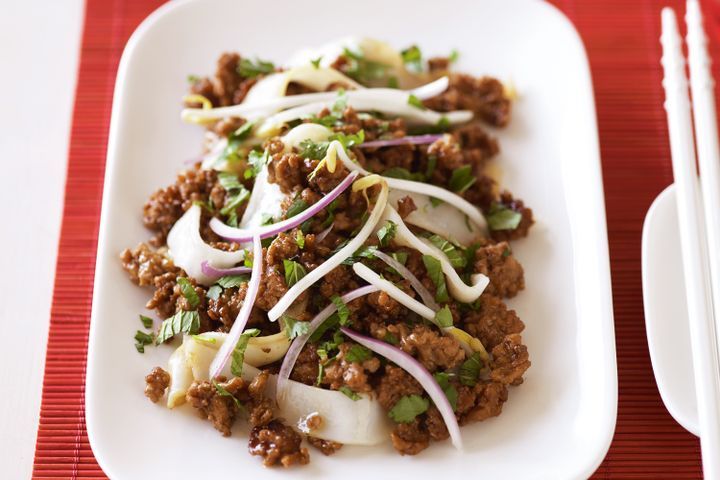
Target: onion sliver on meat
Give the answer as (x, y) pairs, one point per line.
(254, 106)
(458, 289)
(215, 273)
(361, 422)
(236, 330)
(408, 140)
(420, 373)
(294, 351)
(334, 261)
(188, 250)
(424, 293)
(243, 235)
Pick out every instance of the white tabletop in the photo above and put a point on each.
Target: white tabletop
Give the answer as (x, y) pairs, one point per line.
(39, 45)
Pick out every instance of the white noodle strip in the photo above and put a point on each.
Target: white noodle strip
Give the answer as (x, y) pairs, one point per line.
(247, 110)
(324, 268)
(364, 272)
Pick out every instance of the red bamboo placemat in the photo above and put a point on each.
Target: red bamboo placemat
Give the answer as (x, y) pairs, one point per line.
(622, 41)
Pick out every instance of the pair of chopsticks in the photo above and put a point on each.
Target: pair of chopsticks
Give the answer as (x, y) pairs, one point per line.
(698, 211)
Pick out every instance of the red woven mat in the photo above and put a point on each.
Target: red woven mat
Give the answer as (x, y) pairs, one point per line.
(621, 37)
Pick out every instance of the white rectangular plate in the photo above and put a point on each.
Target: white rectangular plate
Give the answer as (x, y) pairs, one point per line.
(559, 423)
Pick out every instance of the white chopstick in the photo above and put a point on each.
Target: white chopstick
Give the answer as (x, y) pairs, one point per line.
(694, 245)
(708, 145)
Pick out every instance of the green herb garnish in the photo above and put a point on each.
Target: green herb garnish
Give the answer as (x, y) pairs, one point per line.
(294, 328)
(387, 233)
(188, 291)
(142, 339)
(470, 370)
(147, 321)
(403, 174)
(455, 255)
(462, 178)
(181, 322)
(249, 69)
(299, 205)
(444, 318)
(316, 63)
(256, 161)
(343, 312)
(451, 392)
(434, 269)
(222, 391)
(500, 217)
(358, 353)
(408, 407)
(294, 272)
(412, 57)
(349, 393)
(238, 354)
(415, 102)
(361, 69)
(229, 281)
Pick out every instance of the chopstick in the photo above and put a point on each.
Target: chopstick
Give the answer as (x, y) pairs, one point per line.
(707, 142)
(694, 243)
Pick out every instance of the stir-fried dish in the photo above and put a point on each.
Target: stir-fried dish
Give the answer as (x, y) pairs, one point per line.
(332, 269)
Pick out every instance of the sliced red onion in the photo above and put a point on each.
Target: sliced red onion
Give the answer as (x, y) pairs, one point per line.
(409, 140)
(240, 235)
(420, 373)
(294, 351)
(321, 236)
(215, 273)
(228, 346)
(408, 275)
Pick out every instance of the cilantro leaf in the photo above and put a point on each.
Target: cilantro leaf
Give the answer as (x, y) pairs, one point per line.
(229, 181)
(361, 69)
(393, 82)
(462, 178)
(343, 312)
(391, 338)
(451, 392)
(316, 63)
(238, 354)
(349, 140)
(408, 407)
(230, 281)
(147, 321)
(330, 209)
(412, 57)
(358, 353)
(313, 150)
(403, 174)
(500, 217)
(387, 233)
(444, 318)
(294, 328)
(298, 206)
(349, 393)
(223, 392)
(364, 252)
(300, 239)
(434, 269)
(454, 254)
(415, 102)
(249, 69)
(454, 56)
(214, 292)
(470, 370)
(256, 161)
(294, 272)
(188, 291)
(142, 339)
(181, 322)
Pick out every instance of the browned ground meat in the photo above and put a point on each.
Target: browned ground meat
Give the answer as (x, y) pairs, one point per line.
(272, 288)
(165, 296)
(307, 366)
(485, 96)
(156, 382)
(405, 206)
(480, 402)
(522, 229)
(227, 306)
(227, 87)
(433, 349)
(492, 321)
(438, 64)
(278, 444)
(144, 264)
(354, 375)
(505, 272)
(410, 438)
(327, 447)
(510, 360)
(226, 126)
(167, 205)
(395, 384)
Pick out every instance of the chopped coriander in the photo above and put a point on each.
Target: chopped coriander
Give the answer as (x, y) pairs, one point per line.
(444, 318)
(188, 291)
(247, 261)
(462, 178)
(443, 124)
(470, 370)
(393, 82)
(193, 78)
(343, 312)
(415, 102)
(181, 322)
(205, 205)
(500, 217)
(454, 55)
(256, 161)
(229, 281)
(454, 254)
(249, 69)
(443, 379)
(432, 164)
(243, 131)
(238, 354)
(294, 272)
(435, 202)
(233, 201)
(331, 322)
(214, 292)
(364, 252)
(142, 339)
(299, 205)
(361, 69)
(349, 393)
(400, 257)
(470, 256)
(204, 338)
(147, 321)
(506, 253)
(434, 269)
(330, 209)
(300, 239)
(408, 407)
(403, 174)
(229, 181)
(316, 62)
(412, 57)
(313, 150)
(387, 233)
(266, 219)
(358, 353)
(391, 338)
(294, 328)
(222, 391)
(350, 140)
